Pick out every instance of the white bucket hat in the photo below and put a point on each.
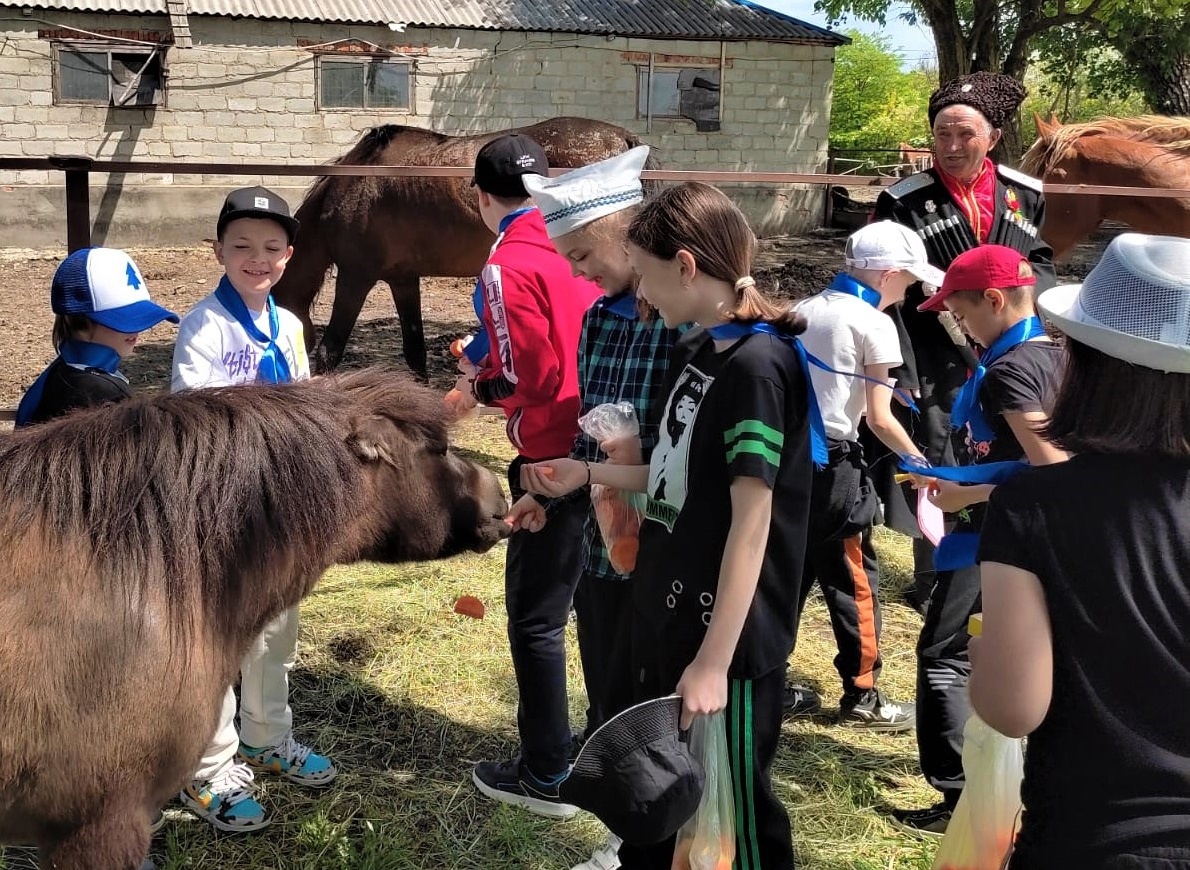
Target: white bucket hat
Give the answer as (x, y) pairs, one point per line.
(580, 196)
(1134, 305)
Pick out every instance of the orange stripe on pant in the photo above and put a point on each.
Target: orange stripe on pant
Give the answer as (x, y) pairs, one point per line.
(865, 612)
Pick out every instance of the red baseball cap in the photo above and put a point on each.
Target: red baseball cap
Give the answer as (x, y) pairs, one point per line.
(980, 269)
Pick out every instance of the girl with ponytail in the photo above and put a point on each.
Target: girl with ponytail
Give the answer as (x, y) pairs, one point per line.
(718, 577)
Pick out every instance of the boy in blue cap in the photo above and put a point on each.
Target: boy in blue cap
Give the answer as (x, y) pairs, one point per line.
(102, 304)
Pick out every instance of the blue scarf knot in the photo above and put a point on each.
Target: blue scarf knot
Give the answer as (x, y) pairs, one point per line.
(967, 410)
(273, 368)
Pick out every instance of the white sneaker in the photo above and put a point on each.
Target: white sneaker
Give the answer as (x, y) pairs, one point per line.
(605, 857)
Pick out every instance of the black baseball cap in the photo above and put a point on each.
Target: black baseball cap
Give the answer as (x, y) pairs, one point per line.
(637, 774)
(256, 202)
(500, 164)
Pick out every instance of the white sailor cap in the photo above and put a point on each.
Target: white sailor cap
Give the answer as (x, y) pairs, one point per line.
(580, 196)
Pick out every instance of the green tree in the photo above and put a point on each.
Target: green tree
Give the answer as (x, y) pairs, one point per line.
(999, 35)
(876, 105)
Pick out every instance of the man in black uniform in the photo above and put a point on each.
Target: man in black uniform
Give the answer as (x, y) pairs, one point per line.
(963, 202)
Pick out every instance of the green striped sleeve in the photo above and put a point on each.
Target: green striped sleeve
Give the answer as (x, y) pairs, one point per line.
(753, 436)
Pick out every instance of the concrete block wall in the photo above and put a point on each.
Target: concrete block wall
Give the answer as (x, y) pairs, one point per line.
(245, 93)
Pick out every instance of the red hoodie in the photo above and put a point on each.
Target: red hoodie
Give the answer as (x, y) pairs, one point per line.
(533, 310)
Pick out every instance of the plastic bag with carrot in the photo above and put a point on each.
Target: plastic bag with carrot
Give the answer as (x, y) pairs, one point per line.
(707, 841)
(983, 826)
(617, 512)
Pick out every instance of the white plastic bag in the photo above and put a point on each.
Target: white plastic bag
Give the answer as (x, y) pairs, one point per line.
(983, 826)
(618, 513)
(707, 841)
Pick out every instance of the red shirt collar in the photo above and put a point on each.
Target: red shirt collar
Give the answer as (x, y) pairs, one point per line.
(977, 200)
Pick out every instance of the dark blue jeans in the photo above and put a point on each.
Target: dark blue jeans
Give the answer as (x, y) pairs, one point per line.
(541, 572)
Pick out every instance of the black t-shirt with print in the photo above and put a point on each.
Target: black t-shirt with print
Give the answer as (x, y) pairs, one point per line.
(68, 388)
(740, 412)
(1022, 380)
(1109, 539)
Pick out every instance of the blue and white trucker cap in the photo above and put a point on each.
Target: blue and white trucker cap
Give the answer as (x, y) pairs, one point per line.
(104, 285)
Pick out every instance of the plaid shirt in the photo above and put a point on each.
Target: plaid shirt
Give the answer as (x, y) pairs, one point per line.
(620, 359)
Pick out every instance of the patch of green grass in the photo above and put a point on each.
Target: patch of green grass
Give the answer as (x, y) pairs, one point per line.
(406, 696)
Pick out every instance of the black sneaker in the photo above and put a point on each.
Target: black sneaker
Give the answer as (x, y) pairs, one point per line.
(874, 712)
(930, 822)
(512, 782)
(800, 701)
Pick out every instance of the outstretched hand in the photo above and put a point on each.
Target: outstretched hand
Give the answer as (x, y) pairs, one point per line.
(526, 515)
(554, 477)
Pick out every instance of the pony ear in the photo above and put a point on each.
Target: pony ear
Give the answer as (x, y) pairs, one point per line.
(1045, 129)
(371, 438)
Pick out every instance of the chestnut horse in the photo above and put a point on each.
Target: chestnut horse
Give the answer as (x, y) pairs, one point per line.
(1148, 151)
(147, 543)
(400, 229)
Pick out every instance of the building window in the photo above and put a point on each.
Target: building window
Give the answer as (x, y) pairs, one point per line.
(679, 92)
(362, 83)
(109, 76)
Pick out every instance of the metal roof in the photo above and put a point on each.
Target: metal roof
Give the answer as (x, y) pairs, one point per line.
(663, 19)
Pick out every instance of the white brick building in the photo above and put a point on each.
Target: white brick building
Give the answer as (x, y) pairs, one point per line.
(293, 81)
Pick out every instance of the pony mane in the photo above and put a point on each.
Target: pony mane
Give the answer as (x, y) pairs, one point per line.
(1163, 131)
(211, 493)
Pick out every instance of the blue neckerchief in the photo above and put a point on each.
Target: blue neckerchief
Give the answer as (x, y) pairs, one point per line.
(480, 344)
(967, 410)
(818, 449)
(846, 284)
(273, 369)
(959, 549)
(84, 354)
(852, 286)
(622, 305)
(506, 221)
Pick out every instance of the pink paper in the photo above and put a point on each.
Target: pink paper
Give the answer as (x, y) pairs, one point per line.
(930, 518)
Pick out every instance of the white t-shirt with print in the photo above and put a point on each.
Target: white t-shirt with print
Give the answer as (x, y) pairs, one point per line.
(847, 334)
(213, 350)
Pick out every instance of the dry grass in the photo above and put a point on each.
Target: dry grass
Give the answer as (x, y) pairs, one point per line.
(405, 696)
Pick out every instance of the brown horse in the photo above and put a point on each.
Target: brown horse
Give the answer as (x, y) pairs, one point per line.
(147, 543)
(400, 229)
(1148, 151)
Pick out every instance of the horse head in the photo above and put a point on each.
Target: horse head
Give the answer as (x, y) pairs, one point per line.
(424, 500)
(1046, 129)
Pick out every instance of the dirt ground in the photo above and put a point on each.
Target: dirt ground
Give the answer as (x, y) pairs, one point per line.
(177, 278)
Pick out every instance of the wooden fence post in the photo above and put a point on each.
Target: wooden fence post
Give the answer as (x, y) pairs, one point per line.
(78, 199)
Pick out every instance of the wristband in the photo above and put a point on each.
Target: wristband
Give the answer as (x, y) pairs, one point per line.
(587, 465)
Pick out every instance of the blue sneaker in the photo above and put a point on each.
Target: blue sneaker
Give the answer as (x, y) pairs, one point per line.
(292, 760)
(226, 801)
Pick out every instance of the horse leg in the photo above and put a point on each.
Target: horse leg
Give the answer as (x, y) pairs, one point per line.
(406, 293)
(117, 839)
(351, 290)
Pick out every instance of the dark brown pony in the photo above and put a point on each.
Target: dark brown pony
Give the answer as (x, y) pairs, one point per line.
(147, 543)
(1148, 151)
(400, 229)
